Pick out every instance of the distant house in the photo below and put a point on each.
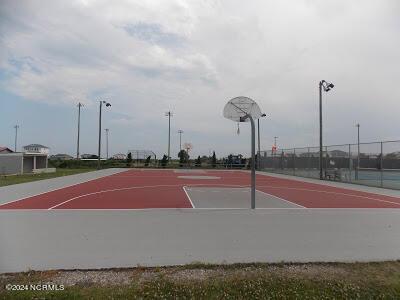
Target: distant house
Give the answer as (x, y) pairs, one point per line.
(309, 154)
(338, 153)
(61, 157)
(36, 148)
(5, 150)
(119, 156)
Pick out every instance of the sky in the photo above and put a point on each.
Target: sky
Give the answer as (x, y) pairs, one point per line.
(191, 57)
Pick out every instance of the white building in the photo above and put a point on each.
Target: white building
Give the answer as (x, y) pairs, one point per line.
(33, 159)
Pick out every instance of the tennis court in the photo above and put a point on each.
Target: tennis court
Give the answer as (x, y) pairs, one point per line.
(198, 189)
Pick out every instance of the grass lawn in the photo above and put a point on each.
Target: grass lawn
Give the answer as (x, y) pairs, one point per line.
(197, 281)
(14, 179)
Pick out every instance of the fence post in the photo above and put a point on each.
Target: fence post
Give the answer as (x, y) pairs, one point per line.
(381, 164)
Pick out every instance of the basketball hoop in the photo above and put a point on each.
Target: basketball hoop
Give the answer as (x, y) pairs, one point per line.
(240, 108)
(243, 109)
(188, 147)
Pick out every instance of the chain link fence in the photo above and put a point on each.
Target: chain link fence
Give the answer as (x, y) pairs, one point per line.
(373, 164)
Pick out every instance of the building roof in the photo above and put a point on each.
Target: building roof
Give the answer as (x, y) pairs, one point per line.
(36, 145)
(5, 149)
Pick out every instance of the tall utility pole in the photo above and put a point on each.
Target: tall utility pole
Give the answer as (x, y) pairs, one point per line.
(99, 150)
(180, 139)
(326, 86)
(107, 141)
(16, 137)
(169, 114)
(358, 150)
(79, 129)
(275, 137)
(258, 133)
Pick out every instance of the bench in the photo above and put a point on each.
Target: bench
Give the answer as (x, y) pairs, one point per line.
(333, 174)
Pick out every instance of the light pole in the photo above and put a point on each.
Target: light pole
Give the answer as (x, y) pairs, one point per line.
(79, 129)
(358, 150)
(16, 137)
(180, 139)
(169, 114)
(99, 150)
(326, 86)
(258, 133)
(106, 130)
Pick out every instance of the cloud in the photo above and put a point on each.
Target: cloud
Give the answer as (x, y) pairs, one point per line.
(193, 56)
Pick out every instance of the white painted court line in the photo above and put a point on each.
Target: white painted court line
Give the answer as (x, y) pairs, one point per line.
(335, 184)
(119, 189)
(108, 191)
(60, 188)
(187, 195)
(393, 210)
(287, 201)
(329, 192)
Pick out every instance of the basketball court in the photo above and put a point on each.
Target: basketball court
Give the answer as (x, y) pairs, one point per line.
(198, 189)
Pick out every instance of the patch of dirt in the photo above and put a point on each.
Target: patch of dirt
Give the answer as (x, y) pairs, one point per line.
(88, 278)
(313, 271)
(192, 274)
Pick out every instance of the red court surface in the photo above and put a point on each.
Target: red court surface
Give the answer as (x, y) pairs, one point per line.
(145, 189)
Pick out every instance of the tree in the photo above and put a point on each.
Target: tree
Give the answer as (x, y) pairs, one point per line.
(198, 162)
(129, 159)
(164, 161)
(230, 160)
(214, 160)
(147, 162)
(183, 157)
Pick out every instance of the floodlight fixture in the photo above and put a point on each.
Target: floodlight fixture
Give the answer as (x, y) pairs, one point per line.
(327, 86)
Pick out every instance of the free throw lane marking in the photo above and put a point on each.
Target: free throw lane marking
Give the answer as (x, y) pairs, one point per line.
(187, 195)
(287, 201)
